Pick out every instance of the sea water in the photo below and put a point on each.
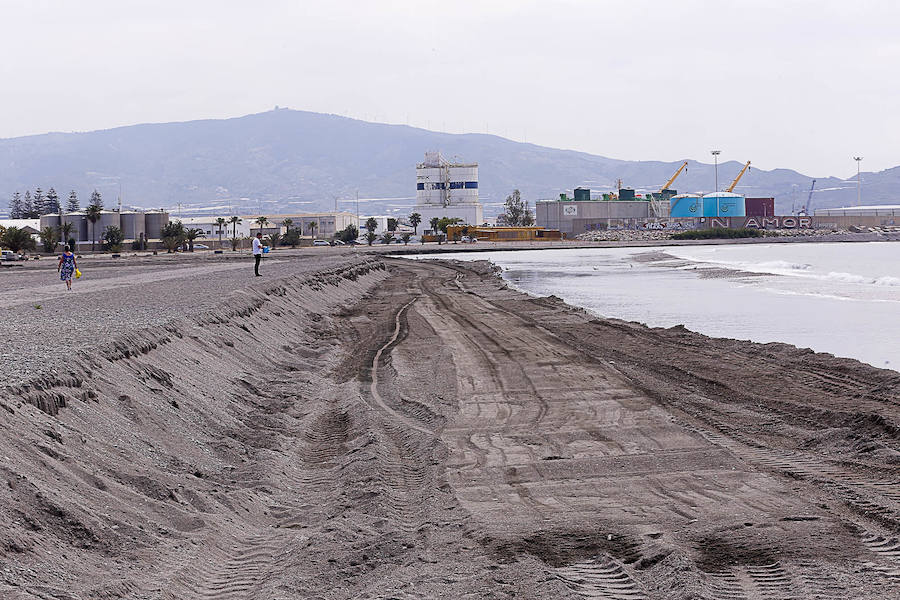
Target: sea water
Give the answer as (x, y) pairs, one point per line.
(841, 298)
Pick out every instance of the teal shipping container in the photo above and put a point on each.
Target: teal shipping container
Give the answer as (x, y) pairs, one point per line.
(724, 204)
(686, 205)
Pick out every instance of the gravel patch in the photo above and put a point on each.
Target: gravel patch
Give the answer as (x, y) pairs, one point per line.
(41, 323)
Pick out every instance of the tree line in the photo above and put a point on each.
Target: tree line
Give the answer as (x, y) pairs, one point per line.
(33, 206)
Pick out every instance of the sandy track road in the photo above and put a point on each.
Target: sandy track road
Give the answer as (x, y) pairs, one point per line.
(556, 452)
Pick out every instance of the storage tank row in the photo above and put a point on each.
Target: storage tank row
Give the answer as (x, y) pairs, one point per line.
(721, 204)
(133, 224)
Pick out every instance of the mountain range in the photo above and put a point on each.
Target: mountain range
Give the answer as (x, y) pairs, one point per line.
(295, 161)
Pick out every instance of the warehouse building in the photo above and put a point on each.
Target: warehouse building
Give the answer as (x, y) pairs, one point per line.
(573, 217)
(884, 210)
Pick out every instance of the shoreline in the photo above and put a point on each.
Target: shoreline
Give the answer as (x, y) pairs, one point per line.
(359, 424)
(517, 246)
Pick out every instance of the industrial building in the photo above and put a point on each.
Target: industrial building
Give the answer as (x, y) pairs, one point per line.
(447, 189)
(572, 217)
(503, 234)
(134, 224)
(625, 209)
(326, 224)
(885, 210)
(31, 226)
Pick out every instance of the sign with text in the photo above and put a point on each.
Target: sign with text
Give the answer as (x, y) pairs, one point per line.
(788, 222)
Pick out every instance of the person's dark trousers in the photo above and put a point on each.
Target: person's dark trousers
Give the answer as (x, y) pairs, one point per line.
(258, 257)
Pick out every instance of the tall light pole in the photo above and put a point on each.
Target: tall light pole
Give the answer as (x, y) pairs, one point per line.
(858, 160)
(716, 154)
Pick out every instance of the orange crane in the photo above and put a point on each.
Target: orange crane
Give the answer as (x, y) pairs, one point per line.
(674, 177)
(738, 178)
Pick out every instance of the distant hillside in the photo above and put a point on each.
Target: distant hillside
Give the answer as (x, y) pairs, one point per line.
(286, 160)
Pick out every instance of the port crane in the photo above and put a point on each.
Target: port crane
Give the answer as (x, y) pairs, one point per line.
(738, 178)
(656, 205)
(806, 209)
(674, 177)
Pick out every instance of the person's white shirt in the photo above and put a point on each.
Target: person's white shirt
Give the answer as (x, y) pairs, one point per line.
(257, 246)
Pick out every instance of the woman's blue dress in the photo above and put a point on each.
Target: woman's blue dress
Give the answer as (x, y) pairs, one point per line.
(68, 267)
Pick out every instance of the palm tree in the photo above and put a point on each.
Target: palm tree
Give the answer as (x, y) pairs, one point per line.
(17, 239)
(172, 235)
(414, 220)
(287, 224)
(387, 237)
(221, 223)
(234, 222)
(65, 232)
(405, 238)
(92, 213)
(190, 235)
(261, 221)
(312, 225)
(434, 225)
(49, 239)
(371, 224)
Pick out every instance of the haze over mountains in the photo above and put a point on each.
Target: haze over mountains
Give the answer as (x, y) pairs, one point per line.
(295, 161)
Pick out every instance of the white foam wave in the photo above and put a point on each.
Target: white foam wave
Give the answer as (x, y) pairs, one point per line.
(777, 265)
(889, 281)
(782, 267)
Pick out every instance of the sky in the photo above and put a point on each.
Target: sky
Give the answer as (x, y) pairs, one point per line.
(805, 85)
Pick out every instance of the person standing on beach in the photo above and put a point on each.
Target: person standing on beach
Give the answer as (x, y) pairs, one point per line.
(257, 252)
(66, 267)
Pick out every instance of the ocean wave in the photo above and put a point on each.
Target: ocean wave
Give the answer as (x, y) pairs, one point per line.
(796, 269)
(887, 280)
(781, 265)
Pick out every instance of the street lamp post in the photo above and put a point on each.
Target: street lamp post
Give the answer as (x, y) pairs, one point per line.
(716, 154)
(858, 160)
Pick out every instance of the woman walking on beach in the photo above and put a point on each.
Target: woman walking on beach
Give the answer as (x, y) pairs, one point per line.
(66, 267)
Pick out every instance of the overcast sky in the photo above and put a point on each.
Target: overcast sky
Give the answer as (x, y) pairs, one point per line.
(803, 85)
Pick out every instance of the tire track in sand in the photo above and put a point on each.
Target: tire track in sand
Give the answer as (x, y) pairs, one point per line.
(231, 573)
(600, 578)
(373, 388)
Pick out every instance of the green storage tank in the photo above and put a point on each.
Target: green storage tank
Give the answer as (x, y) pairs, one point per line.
(626, 194)
(582, 193)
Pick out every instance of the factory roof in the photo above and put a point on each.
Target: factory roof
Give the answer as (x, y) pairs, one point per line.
(869, 207)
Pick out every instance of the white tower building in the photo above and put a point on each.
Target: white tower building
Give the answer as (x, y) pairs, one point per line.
(445, 189)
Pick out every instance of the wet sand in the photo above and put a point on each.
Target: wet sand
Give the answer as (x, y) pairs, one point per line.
(366, 427)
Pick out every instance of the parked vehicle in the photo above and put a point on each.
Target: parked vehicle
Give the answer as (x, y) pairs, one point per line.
(10, 255)
(321, 243)
(201, 247)
(468, 239)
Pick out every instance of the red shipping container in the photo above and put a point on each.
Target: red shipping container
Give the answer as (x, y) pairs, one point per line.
(760, 207)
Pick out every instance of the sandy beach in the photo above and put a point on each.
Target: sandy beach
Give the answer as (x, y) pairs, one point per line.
(359, 426)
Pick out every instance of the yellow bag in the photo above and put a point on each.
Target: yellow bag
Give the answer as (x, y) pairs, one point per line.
(77, 274)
